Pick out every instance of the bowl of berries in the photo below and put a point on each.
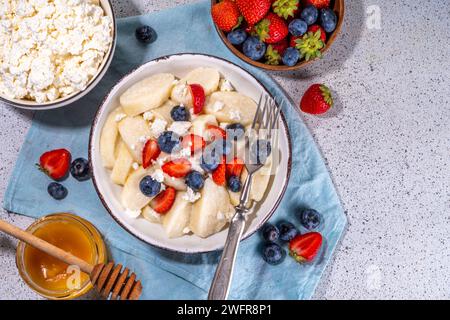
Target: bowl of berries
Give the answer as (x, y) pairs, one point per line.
(278, 35)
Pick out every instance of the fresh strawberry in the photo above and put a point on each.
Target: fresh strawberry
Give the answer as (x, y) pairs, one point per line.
(310, 45)
(319, 4)
(281, 46)
(226, 15)
(292, 42)
(150, 152)
(304, 247)
(323, 34)
(55, 163)
(219, 175)
(177, 168)
(234, 168)
(254, 10)
(215, 132)
(272, 29)
(317, 99)
(286, 8)
(198, 97)
(194, 142)
(164, 200)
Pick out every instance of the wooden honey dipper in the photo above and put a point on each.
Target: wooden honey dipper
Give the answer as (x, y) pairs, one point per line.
(109, 279)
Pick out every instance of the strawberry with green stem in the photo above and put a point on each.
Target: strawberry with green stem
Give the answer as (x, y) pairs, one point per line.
(226, 15)
(286, 8)
(317, 99)
(253, 10)
(271, 29)
(310, 45)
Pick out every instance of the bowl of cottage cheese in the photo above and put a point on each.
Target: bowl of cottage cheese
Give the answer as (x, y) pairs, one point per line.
(53, 52)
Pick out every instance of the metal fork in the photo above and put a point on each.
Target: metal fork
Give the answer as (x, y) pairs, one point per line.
(265, 120)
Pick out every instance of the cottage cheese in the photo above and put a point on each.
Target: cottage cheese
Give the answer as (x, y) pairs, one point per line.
(191, 195)
(158, 127)
(50, 48)
(180, 127)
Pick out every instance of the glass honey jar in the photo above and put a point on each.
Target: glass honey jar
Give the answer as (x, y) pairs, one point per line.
(49, 276)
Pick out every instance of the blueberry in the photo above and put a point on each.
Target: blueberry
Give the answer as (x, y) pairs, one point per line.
(149, 186)
(291, 57)
(237, 37)
(273, 254)
(80, 169)
(310, 218)
(254, 48)
(310, 14)
(168, 141)
(145, 34)
(195, 180)
(57, 190)
(328, 19)
(259, 151)
(298, 27)
(287, 231)
(210, 160)
(180, 113)
(235, 131)
(234, 184)
(270, 232)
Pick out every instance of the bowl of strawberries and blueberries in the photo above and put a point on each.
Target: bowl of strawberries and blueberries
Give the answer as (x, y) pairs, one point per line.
(278, 34)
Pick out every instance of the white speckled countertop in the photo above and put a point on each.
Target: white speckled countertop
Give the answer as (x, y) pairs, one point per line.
(386, 144)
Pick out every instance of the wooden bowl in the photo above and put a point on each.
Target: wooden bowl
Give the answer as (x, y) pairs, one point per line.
(338, 7)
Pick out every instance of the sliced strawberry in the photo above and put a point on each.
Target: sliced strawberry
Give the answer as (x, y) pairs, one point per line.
(55, 163)
(234, 168)
(150, 152)
(215, 132)
(304, 247)
(219, 175)
(194, 142)
(198, 97)
(164, 200)
(177, 168)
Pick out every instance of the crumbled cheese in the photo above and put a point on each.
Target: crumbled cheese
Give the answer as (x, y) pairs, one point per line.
(217, 106)
(158, 175)
(148, 116)
(51, 48)
(195, 163)
(135, 165)
(158, 127)
(225, 85)
(191, 195)
(235, 115)
(143, 139)
(220, 215)
(186, 230)
(132, 213)
(180, 127)
(120, 116)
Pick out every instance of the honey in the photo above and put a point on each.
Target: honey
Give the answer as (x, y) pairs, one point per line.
(51, 277)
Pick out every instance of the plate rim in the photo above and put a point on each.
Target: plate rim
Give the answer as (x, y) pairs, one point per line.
(108, 209)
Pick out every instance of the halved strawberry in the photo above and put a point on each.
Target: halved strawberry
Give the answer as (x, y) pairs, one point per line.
(219, 175)
(304, 247)
(164, 200)
(194, 142)
(177, 168)
(215, 132)
(55, 163)
(150, 152)
(234, 168)
(198, 97)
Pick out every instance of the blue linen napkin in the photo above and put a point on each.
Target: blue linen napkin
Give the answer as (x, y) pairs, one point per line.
(166, 275)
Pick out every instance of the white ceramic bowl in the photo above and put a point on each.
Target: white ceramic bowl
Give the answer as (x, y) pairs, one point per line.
(152, 233)
(33, 105)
